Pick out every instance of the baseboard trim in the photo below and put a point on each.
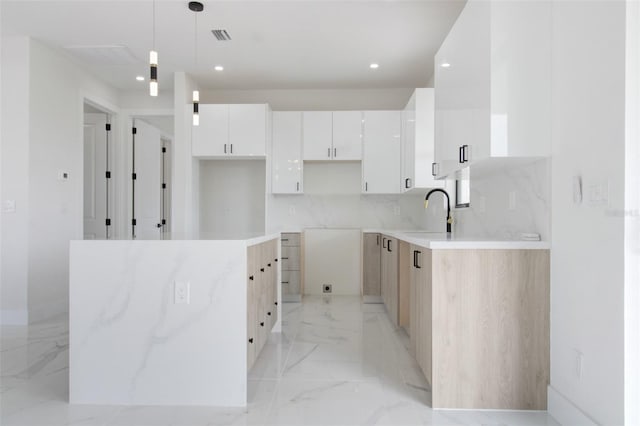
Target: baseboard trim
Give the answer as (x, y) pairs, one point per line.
(14, 317)
(564, 411)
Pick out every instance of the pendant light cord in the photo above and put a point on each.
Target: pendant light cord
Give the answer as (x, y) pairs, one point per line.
(154, 24)
(195, 37)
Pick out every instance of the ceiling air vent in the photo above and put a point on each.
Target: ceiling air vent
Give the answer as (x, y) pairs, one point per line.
(221, 35)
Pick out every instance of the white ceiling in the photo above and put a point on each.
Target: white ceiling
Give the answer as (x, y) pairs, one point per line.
(295, 44)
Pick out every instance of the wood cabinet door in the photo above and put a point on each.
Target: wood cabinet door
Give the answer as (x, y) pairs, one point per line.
(372, 266)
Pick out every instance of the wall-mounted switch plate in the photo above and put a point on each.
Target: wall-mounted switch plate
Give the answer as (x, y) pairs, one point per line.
(182, 290)
(9, 206)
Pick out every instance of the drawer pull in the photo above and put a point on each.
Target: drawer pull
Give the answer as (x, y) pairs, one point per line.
(251, 277)
(251, 340)
(284, 239)
(275, 260)
(261, 269)
(285, 282)
(285, 258)
(269, 265)
(269, 313)
(262, 324)
(275, 303)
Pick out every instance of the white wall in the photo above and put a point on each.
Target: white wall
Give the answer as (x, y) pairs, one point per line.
(232, 198)
(15, 179)
(632, 218)
(48, 140)
(314, 100)
(587, 257)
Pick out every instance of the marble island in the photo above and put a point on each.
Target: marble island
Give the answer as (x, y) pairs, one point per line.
(165, 322)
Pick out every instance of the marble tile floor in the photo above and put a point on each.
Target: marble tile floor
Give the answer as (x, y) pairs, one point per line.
(337, 362)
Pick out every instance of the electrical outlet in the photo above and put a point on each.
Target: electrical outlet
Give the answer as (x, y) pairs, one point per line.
(182, 290)
(326, 288)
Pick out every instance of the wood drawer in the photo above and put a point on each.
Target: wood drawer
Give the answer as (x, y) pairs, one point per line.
(290, 239)
(290, 282)
(290, 258)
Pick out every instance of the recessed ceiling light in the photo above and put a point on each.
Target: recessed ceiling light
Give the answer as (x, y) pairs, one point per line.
(374, 66)
(445, 65)
(218, 68)
(140, 78)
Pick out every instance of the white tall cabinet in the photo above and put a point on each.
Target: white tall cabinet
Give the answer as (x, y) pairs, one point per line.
(333, 136)
(231, 130)
(492, 85)
(381, 152)
(286, 160)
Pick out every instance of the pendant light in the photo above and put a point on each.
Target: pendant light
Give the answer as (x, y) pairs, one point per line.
(153, 59)
(196, 7)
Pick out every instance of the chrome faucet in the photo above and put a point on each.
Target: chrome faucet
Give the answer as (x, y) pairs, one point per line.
(449, 218)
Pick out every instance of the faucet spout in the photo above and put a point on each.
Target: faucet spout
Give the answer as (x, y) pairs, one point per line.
(449, 218)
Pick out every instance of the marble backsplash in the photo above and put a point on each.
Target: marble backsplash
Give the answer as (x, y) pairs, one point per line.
(508, 202)
(503, 205)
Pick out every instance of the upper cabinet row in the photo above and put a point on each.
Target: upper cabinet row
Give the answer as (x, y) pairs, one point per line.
(492, 80)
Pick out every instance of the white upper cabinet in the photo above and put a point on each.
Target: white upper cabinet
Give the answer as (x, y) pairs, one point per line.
(492, 85)
(211, 137)
(317, 135)
(231, 130)
(286, 159)
(347, 135)
(381, 152)
(418, 122)
(332, 135)
(248, 129)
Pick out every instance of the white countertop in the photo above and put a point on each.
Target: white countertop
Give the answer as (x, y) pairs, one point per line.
(440, 241)
(249, 238)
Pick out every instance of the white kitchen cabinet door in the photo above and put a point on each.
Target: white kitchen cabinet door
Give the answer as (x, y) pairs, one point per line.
(247, 130)
(381, 152)
(418, 133)
(347, 135)
(317, 134)
(286, 160)
(211, 137)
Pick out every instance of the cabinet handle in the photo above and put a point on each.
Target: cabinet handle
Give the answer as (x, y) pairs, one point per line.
(335, 152)
(262, 324)
(269, 265)
(275, 260)
(389, 246)
(329, 152)
(285, 258)
(261, 269)
(231, 148)
(378, 239)
(434, 169)
(251, 340)
(384, 239)
(275, 303)
(460, 149)
(366, 186)
(285, 282)
(225, 148)
(269, 313)
(284, 239)
(297, 186)
(416, 261)
(251, 277)
(465, 153)
(407, 183)
(414, 258)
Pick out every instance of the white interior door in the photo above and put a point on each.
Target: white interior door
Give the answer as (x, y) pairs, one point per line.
(95, 182)
(147, 198)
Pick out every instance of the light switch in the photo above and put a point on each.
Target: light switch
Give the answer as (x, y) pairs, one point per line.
(182, 290)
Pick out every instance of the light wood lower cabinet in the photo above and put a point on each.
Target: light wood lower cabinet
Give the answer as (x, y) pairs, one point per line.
(371, 246)
(262, 296)
(479, 326)
(389, 275)
(291, 281)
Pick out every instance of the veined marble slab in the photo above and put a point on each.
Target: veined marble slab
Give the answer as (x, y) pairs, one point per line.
(131, 344)
(441, 241)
